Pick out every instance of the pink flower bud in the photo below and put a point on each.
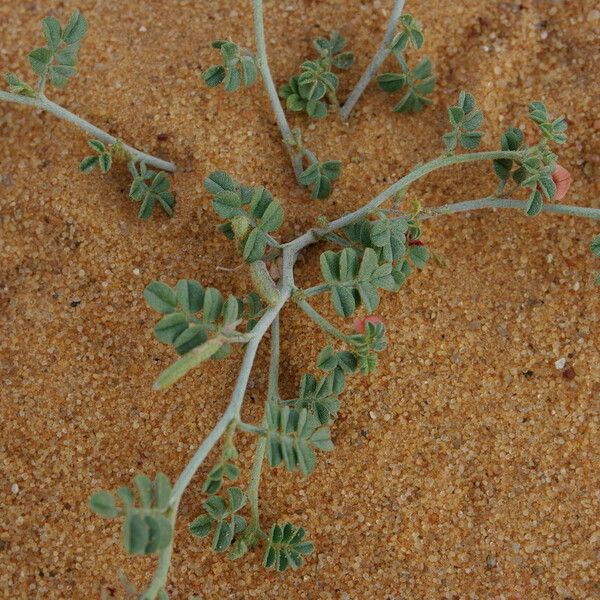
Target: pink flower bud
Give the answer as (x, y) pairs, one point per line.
(562, 179)
(360, 324)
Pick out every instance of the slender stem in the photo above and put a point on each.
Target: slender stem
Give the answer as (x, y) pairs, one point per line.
(261, 442)
(62, 113)
(422, 170)
(263, 66)
(321, 321)
(469, 205)
(273, 391)
(378, 59)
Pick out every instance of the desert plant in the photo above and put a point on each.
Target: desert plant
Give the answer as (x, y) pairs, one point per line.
(370, 251)
(55, 63)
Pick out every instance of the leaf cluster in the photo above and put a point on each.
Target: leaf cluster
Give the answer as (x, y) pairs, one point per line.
(419, 81)
(222, 519)
(194, 313)
(286, 547)
(368, 344)
(56, 61)
(552, 129)
(103, 158)
(150, 188)
(465, 119)
(147, 528)
(238, 68)
(337, 364)
(315, 88)
(293, 436)
(319, 177)
(319, 397)
(223, 469)
(252, 214)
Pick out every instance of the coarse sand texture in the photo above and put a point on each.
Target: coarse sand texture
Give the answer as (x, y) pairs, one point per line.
(467, 468)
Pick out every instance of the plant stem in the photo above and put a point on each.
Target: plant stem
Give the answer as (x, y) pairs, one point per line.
(378, 59)
(469, 205)
(439, 163)
(62, 113)
(263, 66)
(321, 321)
(290, 253)
(261, 442)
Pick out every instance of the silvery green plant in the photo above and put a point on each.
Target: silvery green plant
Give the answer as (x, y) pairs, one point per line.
(366, 255)
(55, 64)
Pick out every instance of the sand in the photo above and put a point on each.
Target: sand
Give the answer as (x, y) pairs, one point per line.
(468, 468)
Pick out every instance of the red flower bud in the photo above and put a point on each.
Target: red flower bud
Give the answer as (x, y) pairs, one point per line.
(360, 324)
(562, 179)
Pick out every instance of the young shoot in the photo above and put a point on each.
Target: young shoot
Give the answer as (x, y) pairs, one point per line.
(55, 64)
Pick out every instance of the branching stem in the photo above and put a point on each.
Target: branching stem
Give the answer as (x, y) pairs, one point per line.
(376, 62)
(62, 113)
(290, 252)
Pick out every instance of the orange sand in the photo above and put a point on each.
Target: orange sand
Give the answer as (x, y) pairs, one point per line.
(468, 469)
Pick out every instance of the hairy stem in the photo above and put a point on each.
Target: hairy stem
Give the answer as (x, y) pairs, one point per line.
(263, 66)
(62, 113)
(290, 253)
(261, 442)
(376, 62)
(469, 205)
(439, 163)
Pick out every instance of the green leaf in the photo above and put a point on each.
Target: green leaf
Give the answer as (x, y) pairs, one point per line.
(419, 255)
(316, 109)
(332, 169)
(213, 304)
(103, 504)
(160, 533)
(52, 32)
(223, 536)
(595, 245)
(219, 182)
(189, 295)
(534, 204)
(88, 163)
(186, 363)
(255, 246)
(105, 162)
(144, 488)
(232, 79)
(214, 75)
(343, 301)
(162, 491)
(135, 534)
(39, 60)
(160, 297)
(391, 82)
(190, 338)
(76, 28)
(272, 218)
(201, 526)
(249, 71)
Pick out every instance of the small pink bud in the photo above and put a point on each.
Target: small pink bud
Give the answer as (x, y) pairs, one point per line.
(360, 324)
(562, 179)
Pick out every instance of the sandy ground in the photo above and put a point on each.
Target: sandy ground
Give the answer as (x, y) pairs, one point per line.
(467, 469)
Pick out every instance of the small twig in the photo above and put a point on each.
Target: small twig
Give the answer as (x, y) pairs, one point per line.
(263, 66)
(376, 62)
(62, 113)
